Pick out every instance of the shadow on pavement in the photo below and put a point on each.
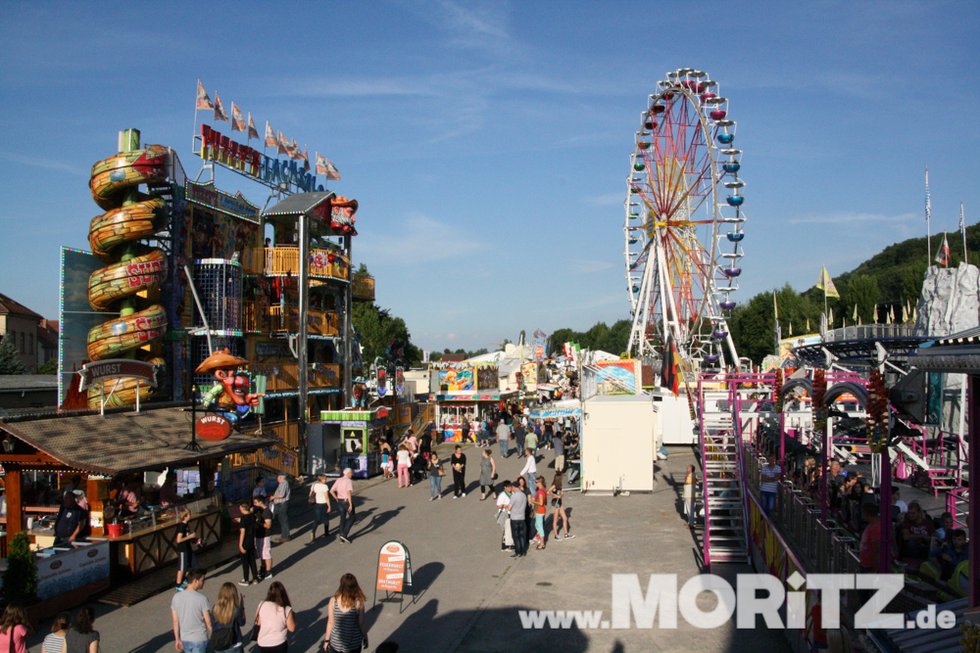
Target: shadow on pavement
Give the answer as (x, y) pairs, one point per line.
(426, 629)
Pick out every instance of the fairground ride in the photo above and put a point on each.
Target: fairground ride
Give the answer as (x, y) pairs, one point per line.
(684, 225)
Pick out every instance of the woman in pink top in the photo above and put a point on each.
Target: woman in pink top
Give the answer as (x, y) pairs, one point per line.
(13, 630)
(275, 620)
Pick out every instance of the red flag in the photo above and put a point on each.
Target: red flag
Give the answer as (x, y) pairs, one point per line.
(219, 109)
(270, 136)
(331, 170)
(237, 120)
(942, 256)
(282, 144)
(294, 151)
(252, 131)
(669, 369)
(321, 164)
(203, 101)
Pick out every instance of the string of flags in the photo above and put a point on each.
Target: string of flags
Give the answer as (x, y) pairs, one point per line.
(272, 138)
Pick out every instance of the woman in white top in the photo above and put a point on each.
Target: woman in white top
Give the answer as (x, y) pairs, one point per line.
(530, 470)
(275, 620)
(320, 494)
(404, 462)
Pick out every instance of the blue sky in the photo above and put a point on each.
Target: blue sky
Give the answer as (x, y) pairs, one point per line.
(488, 143)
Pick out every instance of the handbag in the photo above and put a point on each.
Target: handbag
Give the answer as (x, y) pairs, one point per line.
(311, 498)
(254, 635)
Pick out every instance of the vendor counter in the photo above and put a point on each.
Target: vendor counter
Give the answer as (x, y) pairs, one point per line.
(147, 542)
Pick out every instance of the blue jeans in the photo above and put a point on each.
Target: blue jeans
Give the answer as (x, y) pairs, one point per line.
(503, 448)
(768, 502)
(531, 480)
(435, 486)
(194, 647)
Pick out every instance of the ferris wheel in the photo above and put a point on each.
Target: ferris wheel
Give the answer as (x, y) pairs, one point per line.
(684, 224)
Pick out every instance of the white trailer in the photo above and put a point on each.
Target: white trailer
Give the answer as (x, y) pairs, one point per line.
(618, 443)
(674, 423)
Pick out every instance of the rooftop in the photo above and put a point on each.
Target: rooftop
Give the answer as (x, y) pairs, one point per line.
(10, 306)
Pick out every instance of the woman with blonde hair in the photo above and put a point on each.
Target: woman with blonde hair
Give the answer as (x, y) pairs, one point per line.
(14, 629)
(345, 618)
(227, 619)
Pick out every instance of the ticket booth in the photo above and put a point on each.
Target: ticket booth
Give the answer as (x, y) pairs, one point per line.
(359, 432)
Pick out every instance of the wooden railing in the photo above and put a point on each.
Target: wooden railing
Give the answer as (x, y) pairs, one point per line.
(284, 260)
(272, 319)
(284, 376)
(278, 457)
(362, 287)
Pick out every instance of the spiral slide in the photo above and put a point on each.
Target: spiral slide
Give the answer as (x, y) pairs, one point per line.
(134, 271)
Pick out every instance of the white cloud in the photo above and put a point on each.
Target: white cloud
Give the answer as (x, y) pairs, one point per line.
(416, 239)
(44, 164)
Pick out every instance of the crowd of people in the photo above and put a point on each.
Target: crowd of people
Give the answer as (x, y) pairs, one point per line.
(69, 634)
(921, 543)
(224, 627)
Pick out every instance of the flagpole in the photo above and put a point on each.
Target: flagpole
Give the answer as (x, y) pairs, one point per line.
(928, 223)
(194, 128)
(963, 231)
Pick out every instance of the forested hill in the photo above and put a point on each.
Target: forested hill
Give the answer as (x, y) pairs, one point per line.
(889, 280)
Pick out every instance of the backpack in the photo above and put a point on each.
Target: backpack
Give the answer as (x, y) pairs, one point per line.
(222, 638)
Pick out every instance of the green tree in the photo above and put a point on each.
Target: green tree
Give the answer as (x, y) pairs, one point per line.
(379, 330)
(20, 578)
(50, 367)
(10, 362)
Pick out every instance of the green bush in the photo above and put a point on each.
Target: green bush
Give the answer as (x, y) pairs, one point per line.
(20, 579)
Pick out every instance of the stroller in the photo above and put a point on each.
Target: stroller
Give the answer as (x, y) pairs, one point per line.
(416, 473)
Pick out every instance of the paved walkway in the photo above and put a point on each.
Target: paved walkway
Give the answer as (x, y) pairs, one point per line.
(469, 590)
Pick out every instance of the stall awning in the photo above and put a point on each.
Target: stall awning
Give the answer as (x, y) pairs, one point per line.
(556, 409)
(124, 442)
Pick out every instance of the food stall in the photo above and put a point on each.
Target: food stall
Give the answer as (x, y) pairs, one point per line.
(115, 463)
(360, 433)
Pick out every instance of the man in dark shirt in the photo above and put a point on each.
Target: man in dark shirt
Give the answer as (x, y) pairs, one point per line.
(263, 534)
(185, 552)
(68, 524)
(246, 544)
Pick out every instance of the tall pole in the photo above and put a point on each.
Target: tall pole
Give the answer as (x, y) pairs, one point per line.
(348, 326)
(928, 223)
(963, 231)
(303, 222)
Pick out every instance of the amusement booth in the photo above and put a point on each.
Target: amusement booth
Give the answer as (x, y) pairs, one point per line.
(358, 433)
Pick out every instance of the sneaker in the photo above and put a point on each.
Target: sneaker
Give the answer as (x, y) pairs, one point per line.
(268, 575)
(557, 538)
(569, 536)
(455, 496)
(344, 539)
(463, 494)
(244, 583)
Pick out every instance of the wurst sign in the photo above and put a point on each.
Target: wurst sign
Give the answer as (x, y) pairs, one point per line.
(394, 567)
(117, 368)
